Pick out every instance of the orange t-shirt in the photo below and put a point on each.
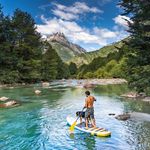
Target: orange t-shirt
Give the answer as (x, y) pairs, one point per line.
(89, 101)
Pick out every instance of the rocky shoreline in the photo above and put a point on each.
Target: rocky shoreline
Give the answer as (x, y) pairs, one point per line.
(6, 102)
(105, 81)
(136, 96)
(13, 85)
(83, 81)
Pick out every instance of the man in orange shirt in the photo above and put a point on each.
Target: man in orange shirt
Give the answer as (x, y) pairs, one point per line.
(89, 101)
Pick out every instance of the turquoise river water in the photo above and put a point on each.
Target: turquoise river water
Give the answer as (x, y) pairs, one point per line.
(40, 122)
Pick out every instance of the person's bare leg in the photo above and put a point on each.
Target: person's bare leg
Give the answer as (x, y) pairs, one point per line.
(80, 120)
(86, 123)
(93, 123)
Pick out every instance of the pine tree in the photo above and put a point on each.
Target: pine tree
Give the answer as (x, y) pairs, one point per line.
(52, 66)
(49, 64)
(22, 55)
(139, 45)
(73, 68)
(27, 45)
(8, 71)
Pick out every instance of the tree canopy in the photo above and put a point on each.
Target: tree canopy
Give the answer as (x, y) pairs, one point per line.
(22, 56)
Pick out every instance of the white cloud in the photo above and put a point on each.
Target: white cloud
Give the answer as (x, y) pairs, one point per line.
(81, 7)
(105, 33)
(71, 29)
(73, 12)
(65, 15)
(122, 21)
(80, 35)
(89, 38)
(121, 33)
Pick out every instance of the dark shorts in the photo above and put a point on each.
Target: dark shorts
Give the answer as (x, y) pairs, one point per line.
(89, 113)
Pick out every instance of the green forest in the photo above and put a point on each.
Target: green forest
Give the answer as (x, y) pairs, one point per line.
(132, 60)
(25, 57)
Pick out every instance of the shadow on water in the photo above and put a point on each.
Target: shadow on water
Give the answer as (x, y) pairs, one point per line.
(87, 141)
(111, 90)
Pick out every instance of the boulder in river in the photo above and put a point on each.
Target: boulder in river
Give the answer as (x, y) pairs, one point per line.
(123, 117)
(89, 85)
(37, 92)
(136, 116)
(11, 103)
(3, 98)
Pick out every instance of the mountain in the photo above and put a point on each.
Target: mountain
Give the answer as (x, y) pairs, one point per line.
(108, 62)
(88, 57)
(65, 49)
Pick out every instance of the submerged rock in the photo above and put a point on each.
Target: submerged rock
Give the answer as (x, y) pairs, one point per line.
(140, 116)
(136, 116)
(123, 116)
(11, 103)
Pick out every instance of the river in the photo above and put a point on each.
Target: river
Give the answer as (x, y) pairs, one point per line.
(40, 122)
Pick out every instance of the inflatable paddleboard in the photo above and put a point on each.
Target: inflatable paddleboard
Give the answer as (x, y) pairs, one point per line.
(101, 132)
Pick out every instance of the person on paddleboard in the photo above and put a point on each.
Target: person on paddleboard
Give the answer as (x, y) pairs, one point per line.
(89, 105)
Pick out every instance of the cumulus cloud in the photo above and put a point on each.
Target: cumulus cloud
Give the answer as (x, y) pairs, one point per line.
(121, 26)
(90, 38)
(65, 15)
(121, 33)
(76, 33)
(71, 29)
(105, 33)
(73, 12)
(122, 21)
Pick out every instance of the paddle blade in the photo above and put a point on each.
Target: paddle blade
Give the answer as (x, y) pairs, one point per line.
(72, 126)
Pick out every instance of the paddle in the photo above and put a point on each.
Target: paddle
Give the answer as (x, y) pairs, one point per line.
(71, 129)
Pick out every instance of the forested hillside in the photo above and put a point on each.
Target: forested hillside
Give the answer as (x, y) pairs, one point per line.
(138, 72)
(111, 65)
(87, 58)
(132, 60)
(24, 57)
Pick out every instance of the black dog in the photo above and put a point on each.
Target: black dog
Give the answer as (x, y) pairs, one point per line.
(80, 113)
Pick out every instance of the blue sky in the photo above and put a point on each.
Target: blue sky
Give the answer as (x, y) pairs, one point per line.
(90, 23)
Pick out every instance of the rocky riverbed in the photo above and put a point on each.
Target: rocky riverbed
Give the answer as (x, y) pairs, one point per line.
(80, 81)
(104, 81)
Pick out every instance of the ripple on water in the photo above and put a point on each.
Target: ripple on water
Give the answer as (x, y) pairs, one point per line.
(41, 124)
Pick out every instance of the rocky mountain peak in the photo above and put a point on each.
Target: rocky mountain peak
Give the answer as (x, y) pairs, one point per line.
(58, 36)
(60, 39)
